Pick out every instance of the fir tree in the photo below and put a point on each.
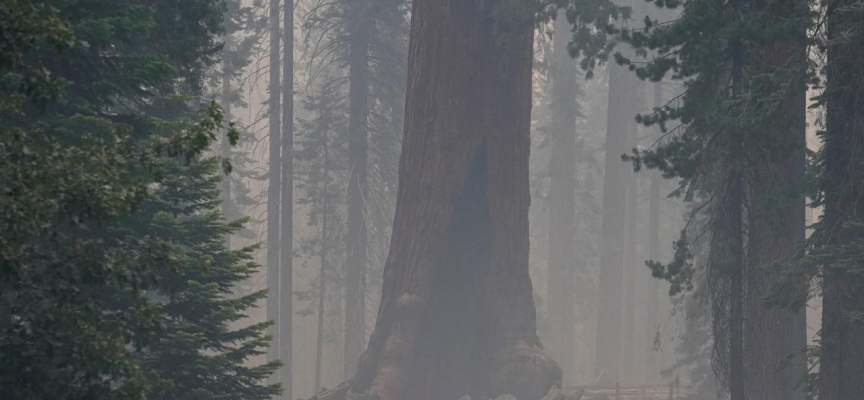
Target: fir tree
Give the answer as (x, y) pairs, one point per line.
(225, 82)
(740, 122)
(321, 176)
(97, 96)
(836, 254)
(80, 149)
(195, 353)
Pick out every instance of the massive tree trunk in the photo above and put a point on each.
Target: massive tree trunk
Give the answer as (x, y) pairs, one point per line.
(842, 362)
(457, 312)
(358, 148)
(562, 201)
(274, 181)
(776, 337)
(608, 352)
(286, 278)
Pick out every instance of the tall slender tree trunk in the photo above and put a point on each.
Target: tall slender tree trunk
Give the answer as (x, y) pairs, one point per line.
(733, 210)
(286, 302)
(457, 311)
(608, 352)
(562, 201)
(776, 338)
(632, 272)
(726, 270)
(732, 215)
(225, 146)
(653, 287)
(322, 280)
(274, 189)
(358, 155)
(842, 361)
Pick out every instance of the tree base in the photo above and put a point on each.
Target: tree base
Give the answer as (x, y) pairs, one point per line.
(343, 392)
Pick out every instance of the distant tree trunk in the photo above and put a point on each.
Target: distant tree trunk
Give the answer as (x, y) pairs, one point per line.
(653, 287)
(457, 311)
(225, 147)
(775, 234)
(358, 148)
(608, 352)
(286, 327)
(842, 361)
(322, 280)
(727, 262)
(733, 225)
(562, 200)
(632, 270)
(274, 181)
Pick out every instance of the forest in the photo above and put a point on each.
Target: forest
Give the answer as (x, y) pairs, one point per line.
(431, 199)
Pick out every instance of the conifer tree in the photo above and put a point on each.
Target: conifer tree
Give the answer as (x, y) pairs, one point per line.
(97, 97)
(196, 354)
(837, 238)
(286, 227)
(321, 167)
(225, 83)
(274, 180)
(734, 132)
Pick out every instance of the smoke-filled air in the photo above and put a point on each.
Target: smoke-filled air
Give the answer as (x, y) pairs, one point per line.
(431, 199)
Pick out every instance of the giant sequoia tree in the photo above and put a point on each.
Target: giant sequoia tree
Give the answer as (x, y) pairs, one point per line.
(457, 314)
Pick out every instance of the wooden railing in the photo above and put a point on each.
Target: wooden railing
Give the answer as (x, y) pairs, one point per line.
(671, 391)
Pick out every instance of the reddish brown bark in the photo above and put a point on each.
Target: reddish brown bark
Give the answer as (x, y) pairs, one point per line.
(457, 314)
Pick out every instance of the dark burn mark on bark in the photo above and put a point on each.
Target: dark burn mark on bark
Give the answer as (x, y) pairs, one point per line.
(452, 347)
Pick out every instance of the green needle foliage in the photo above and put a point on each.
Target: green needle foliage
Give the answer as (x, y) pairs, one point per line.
(744, 69)
(726, 120)
(110, 255)
(196, 354)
